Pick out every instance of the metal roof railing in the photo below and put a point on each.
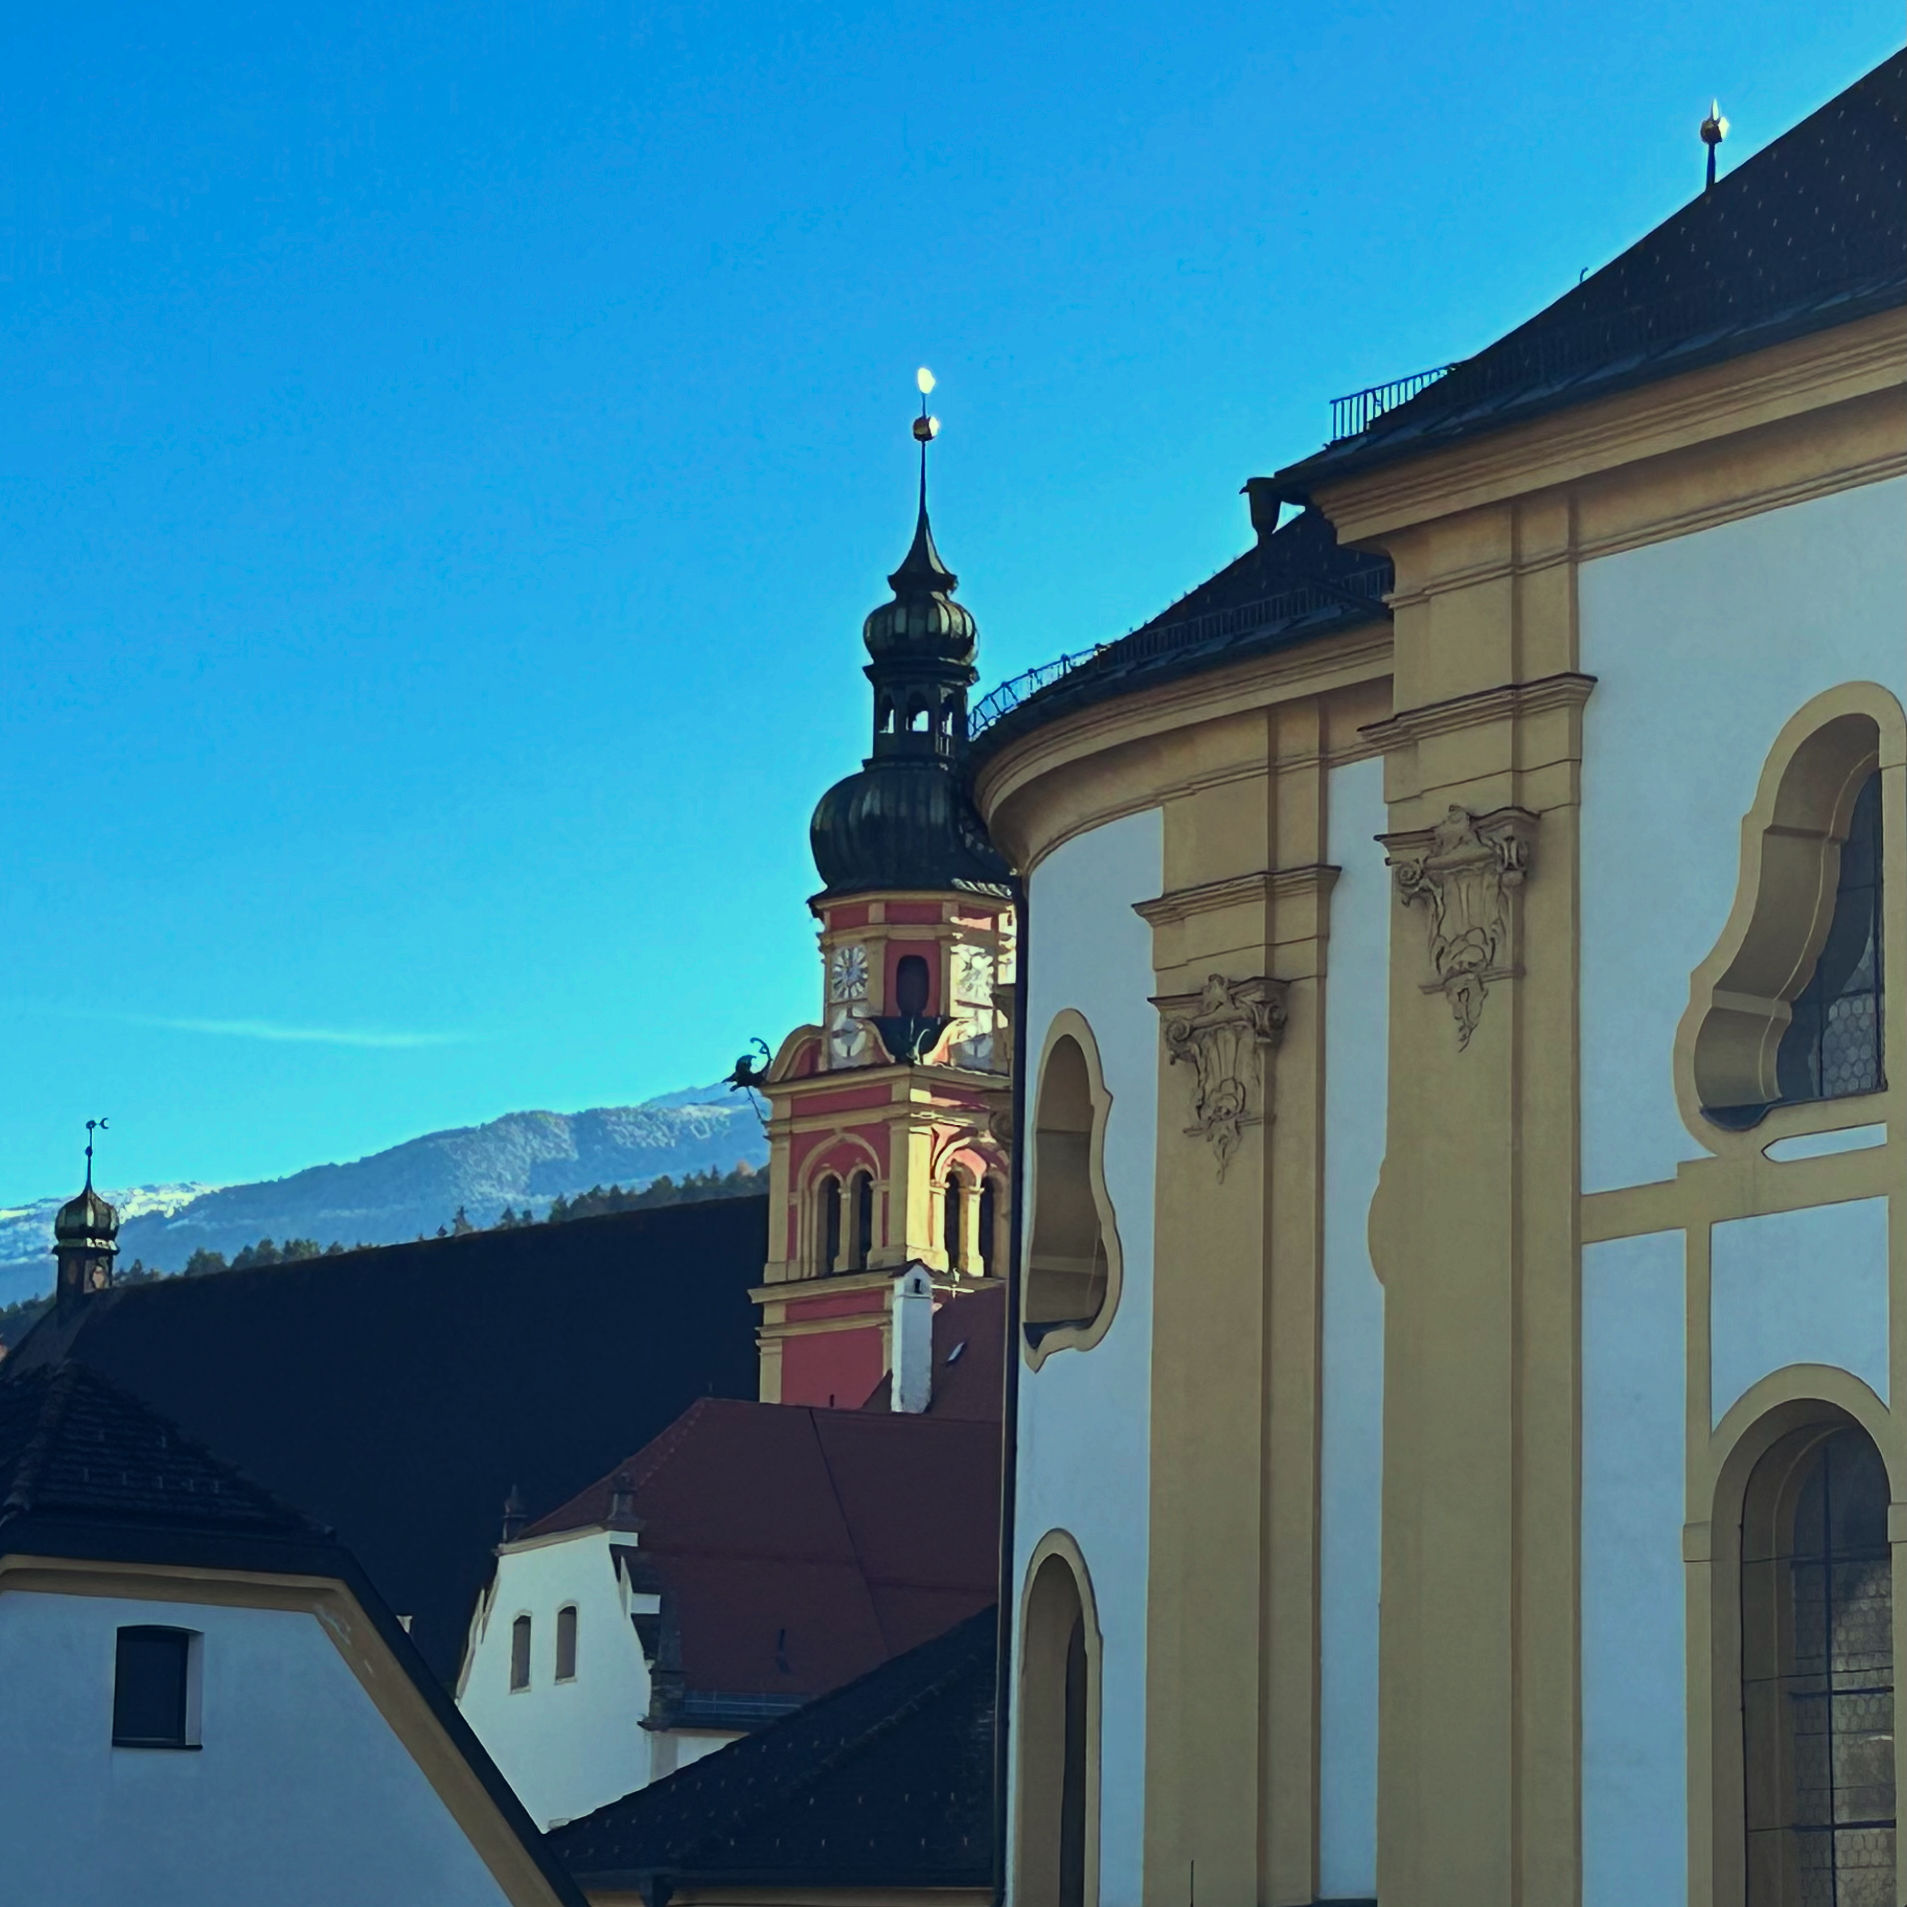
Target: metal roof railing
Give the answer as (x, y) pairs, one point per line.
(1367, 584)
(1358, 411)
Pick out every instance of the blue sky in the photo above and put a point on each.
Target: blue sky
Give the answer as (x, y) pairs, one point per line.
(446, 454)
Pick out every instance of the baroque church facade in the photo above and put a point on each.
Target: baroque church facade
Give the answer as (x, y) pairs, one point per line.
(1463, 1272)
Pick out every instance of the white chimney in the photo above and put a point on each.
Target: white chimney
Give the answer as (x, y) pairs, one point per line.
(912, 1387)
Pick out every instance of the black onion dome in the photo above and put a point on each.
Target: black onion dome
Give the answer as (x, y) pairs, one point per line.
(922, 622)
(87, 1221)
(903, 823)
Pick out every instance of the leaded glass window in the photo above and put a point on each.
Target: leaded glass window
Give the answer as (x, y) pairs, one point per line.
(1832, 1047)
(1818, 1679)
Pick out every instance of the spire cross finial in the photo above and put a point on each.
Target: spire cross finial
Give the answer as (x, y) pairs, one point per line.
(92, 1126)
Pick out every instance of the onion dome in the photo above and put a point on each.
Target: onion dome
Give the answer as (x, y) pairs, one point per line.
(86, 1223)
(906, 820)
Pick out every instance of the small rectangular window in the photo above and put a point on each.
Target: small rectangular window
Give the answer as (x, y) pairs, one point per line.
(566, 1643)
(520, 1653)
(152, 1689)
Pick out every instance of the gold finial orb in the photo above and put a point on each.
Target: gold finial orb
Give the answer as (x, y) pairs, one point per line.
(926, 429)
(923, 380)
(1714, 127)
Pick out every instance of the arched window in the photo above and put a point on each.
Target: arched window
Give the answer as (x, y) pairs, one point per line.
(1058, 1721)
(953, 1200)
(912, 985)
(863, 1221)
(1072, 1253)
(989, 1223)
(566, 1643)
(828, 1198)
(520, 1653)
(1789, 1011)
(1818, 1673)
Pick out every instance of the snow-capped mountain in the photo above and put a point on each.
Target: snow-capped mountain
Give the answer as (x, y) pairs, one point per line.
(522, 1158)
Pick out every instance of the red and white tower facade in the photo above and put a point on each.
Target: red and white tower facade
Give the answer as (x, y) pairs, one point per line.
(888, 1116)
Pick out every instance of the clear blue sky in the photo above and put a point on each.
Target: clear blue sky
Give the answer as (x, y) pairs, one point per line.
(446, 453)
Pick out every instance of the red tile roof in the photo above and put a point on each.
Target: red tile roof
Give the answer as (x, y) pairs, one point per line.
(798, 1548)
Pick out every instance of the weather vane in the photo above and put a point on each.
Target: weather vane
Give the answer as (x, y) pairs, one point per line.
(92, 1126)
(1714, 131)
(926, 428)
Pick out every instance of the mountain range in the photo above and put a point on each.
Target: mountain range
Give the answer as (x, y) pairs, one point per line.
(523, 1159)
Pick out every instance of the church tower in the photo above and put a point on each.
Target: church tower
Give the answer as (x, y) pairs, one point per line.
(885, 1133)
(85, 1242)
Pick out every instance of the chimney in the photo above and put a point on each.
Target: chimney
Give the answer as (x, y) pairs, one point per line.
(514, 1515)
(912, 1385)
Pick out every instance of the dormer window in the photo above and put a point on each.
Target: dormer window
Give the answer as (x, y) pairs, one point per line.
(155, 1691)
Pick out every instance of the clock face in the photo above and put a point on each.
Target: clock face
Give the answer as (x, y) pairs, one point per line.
(847, 1038)
(973, 976)
(847, 974)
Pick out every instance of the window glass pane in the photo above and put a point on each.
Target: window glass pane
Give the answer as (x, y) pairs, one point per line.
(520, 1653)
(565, 1644)
(149, 1685)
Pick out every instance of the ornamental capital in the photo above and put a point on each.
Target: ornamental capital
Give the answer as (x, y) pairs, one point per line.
(1462, 872)
(1222, 1033)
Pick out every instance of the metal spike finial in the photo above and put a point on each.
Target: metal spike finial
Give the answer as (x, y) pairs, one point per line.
(926, 428)
(1714, 131)
(92, 1126)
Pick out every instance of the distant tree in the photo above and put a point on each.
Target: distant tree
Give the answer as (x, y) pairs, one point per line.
(441, 1233)
(741, 1180)
(17, 1319)
(203, 1261)
(559, 1209)
(506, 1220)
(334, 1250)
(460, 1226)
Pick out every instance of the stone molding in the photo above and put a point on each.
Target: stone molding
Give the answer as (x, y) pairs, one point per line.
(1566, 691)
(1239, 889)
(1464, 872)
(1222, 1033)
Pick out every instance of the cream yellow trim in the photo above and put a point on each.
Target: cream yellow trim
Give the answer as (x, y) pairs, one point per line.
(1070, 1024)
(1040, 1703)
(355, 1636)
(1784, 900)
(802, 1897)
(1767, 388)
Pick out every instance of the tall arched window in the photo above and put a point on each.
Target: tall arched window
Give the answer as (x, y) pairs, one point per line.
(1072, 1254)
(520, 1653)
(989, 1225)
(863, 1242)
(1057, 1727)
(952, 1212)
(828, 1226)
(1817, 1613)
(566, 1643)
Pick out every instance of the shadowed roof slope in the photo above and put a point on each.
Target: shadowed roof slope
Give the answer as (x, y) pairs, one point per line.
(887, 1783)
(400, 1393)
(800, 1547)
(969, 1361)
(1810, 232)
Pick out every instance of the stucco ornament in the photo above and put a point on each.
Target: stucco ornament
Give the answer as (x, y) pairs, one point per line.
(1462, 872)
(1222, 1033)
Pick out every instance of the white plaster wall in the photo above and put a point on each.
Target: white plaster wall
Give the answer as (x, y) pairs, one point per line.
(1634, 1645)
(1085, 1416)
(565, 1747)
(300, 1795)
(1356, 1038)
(1807, 1287)
(1703, 647)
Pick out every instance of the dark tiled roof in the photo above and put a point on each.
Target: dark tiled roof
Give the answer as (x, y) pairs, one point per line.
(886, 1783)
(1810, 232)
(797, 1547)
(969, 1361)
(89, 1471)
(1296, 584)
(73, 1445)
(400, 1393)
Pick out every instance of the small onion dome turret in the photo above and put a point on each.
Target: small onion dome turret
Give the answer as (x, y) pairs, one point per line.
(922, 623)
(86, 1223)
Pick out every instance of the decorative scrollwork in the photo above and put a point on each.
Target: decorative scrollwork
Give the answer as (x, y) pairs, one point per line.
(1222, 1033)
(1463, 872)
